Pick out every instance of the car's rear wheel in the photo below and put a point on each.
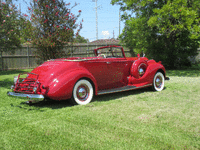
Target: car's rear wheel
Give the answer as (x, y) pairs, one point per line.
(82, 93)
(158, 82)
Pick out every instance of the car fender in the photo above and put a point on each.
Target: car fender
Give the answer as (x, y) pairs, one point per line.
(61, 87)
(147, 78)
(152, 69)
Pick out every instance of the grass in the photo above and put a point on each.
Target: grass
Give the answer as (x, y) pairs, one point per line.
(138, 119)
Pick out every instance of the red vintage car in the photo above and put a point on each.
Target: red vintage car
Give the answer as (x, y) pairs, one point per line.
(79, 79)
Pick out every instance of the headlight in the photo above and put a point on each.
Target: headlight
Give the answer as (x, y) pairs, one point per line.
(34, 89)
(15, 79)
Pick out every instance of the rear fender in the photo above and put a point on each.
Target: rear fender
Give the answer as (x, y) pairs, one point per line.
(61, 88)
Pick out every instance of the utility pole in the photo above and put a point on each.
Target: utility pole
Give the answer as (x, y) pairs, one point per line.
(20, 8)
(96, 7)
(119, 21)
(96, 22)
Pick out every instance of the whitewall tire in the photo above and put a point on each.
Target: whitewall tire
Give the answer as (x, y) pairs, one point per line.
(82, 93)
(158, 82)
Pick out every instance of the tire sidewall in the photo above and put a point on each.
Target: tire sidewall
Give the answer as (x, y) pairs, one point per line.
(158, 74)
(75, 99)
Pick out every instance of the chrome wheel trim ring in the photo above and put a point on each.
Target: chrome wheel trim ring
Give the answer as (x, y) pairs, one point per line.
(158, 82)
(83, 92)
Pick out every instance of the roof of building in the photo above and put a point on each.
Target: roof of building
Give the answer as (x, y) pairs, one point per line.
(103, 41)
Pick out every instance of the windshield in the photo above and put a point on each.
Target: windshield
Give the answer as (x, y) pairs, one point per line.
(110, 52)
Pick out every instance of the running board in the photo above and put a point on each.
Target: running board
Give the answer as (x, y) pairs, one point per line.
(121, 89)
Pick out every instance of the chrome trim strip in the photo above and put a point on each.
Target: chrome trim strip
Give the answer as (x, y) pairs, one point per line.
(121, 89)
(25, 95)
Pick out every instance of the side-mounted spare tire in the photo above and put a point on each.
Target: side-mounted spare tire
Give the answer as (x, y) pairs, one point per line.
(138, 68)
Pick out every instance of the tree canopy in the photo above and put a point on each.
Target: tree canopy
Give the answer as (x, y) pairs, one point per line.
(11, 24)
(80, 39)
(166, 30)
(53, 26)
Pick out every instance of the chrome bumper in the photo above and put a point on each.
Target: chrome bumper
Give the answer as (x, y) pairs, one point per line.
(26, 95)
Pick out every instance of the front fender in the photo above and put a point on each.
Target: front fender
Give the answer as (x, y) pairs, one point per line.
(147, 78)
(61, 88)
(153, 68)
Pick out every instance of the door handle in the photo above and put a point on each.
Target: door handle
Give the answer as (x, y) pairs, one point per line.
(108, 62)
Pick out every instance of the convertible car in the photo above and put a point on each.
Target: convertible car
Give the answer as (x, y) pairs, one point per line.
(79, 79)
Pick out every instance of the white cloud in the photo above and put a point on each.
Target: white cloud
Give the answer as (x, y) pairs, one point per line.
(106, 34)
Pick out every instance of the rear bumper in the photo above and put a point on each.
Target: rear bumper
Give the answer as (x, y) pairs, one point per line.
(26, 95)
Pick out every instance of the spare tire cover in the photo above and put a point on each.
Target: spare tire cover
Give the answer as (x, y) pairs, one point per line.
(138, 68)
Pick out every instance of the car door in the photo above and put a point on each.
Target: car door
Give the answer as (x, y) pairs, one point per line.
(117, 72)
(98, 68)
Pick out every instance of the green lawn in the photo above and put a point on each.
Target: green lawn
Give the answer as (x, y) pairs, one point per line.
(139, 119)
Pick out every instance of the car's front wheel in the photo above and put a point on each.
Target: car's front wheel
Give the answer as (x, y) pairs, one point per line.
(82, 93)
(158, 82)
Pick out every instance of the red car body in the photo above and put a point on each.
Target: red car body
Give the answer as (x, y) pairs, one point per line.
(79, 78)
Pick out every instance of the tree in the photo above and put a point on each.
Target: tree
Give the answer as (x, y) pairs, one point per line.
(165, 30)
(53, 26)
(10, 20)
(80, 39)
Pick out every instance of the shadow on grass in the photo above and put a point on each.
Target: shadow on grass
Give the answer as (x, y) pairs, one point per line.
(9, 72)
(193, 71)
(53, 104)
(6, 83)
(113, 96)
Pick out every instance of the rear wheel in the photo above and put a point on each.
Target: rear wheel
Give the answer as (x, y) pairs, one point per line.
(82, 93)
(158, 82)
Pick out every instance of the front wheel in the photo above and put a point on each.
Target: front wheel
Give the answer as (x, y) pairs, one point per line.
(158, 82)
(82, 93)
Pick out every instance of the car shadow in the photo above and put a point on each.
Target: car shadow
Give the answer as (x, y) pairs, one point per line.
(113, 96)
(55, 104)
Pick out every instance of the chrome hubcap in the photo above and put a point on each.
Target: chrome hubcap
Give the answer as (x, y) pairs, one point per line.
(141, 71)
(82, 92)
(158, 82)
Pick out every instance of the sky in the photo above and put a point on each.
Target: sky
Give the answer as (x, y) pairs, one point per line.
(108, 17)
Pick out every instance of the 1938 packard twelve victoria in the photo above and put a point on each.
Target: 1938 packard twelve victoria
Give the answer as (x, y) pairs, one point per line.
(79, 79)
